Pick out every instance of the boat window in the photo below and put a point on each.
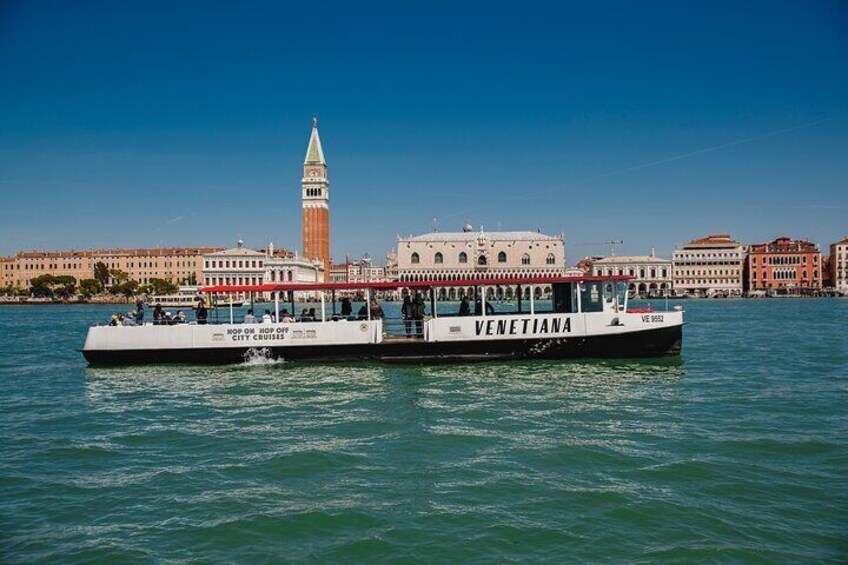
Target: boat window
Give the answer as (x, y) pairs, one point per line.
(621, 293)
(564, 298)
(591, 296)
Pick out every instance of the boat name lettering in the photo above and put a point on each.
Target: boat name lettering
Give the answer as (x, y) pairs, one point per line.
(523, 326)
(257, 334)
(652, 318)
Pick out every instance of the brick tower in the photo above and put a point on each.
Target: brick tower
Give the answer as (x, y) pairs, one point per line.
(316, 203)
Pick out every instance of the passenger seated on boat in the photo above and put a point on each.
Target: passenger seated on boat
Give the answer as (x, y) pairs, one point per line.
(313, 317)
(266, 317)
(464, 307)
(478, 310)
(376, 310)
(304, 315)
(180, 317)
(158, 315)
(363, 313)
(285, 317)
(167, 319)
(127, 320)
(249, 318)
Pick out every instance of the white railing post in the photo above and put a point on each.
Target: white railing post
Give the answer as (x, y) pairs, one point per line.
(532, 300)
(277, 306)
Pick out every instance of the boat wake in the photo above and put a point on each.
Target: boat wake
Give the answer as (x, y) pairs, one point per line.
(260, 356)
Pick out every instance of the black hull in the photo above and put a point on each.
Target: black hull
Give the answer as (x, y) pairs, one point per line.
(649, 343)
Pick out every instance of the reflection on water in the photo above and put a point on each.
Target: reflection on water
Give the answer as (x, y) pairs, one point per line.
(265, 373)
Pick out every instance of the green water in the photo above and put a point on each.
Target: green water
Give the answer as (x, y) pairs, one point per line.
(738, 452)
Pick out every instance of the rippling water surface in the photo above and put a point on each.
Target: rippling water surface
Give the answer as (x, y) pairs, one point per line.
(736, 452)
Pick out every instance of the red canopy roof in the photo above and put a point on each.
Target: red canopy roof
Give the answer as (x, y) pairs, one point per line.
(394, 285)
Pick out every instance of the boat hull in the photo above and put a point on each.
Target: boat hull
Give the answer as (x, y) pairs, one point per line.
(658, 342)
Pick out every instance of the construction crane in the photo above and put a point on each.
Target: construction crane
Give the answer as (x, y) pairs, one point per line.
(612, 243)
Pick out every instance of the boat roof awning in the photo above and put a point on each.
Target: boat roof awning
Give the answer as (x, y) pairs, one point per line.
(394, 285)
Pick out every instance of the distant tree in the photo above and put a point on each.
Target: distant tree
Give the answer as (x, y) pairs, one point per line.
(42, 286)
(118, 276)
(127, 289)
(163, 286)
(64, 286)
(89, 287)
(101, 275)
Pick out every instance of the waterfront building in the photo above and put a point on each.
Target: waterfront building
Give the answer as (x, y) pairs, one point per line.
(316, 203)
(827, 272)
(479, 255)
(839, 265)
(182, 265)
(241, 265)
(652, 275)
(338, 272)
(238, 265)
(783, 266)
(709, 266)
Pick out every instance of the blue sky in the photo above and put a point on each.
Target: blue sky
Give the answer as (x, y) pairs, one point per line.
(180, 123)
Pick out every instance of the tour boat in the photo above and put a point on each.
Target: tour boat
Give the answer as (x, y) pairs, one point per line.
(188, 297)
(586, 317)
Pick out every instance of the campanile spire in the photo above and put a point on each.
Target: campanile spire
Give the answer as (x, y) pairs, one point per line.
(316, 203)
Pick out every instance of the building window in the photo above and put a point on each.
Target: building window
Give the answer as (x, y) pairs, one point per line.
(501, 257)
(550, 259)
(525, 259)
(439, 258)
(415, 259)
(463, 257)
(481, 260)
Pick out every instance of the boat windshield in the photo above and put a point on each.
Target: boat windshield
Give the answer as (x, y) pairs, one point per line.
(591, 296)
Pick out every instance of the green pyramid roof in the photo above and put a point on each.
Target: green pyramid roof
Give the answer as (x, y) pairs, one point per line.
(314, 153)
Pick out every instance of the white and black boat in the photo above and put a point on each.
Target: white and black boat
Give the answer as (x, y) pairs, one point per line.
(585, 317)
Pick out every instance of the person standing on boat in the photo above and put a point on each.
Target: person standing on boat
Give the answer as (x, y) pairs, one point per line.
(139, 313)
(418, 312)
(347, 307)
(408, 313)
(376, 309)
(201, 313)
(464, 307)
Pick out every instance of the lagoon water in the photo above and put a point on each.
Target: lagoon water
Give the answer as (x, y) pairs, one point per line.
(738, 452)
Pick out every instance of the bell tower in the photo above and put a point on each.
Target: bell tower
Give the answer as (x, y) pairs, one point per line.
(316, 203)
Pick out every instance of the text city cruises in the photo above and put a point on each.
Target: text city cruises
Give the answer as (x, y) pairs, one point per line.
(586, 317)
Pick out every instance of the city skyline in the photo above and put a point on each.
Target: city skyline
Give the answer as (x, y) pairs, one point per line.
(131, 130)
